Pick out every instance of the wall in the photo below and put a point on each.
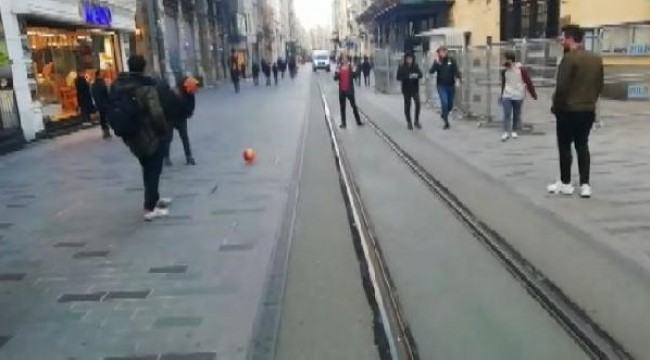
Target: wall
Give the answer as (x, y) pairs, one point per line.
(605, 12)
(477, 16)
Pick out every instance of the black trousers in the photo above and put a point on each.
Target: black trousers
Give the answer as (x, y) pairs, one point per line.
(181, 127)
(407, 106)
(256, 79)
(151, 170)
(103, 121)
(366, 79)
(350, 97)
(574, 127)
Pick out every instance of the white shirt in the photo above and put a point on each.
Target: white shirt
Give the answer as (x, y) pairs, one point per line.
(515, 87)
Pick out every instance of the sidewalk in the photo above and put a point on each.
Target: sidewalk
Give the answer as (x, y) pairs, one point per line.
(595, 250)
(620, 208)
(83, 277)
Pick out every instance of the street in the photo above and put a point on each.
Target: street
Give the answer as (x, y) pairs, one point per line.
(264, 261)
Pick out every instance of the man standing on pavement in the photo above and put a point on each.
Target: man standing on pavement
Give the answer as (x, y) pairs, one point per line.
(100, 95)
(255, 69)
(84, 97)
(135, 99)
(447, 70)
(580, 81)
(344, 75)
(234, 70)
(266, 69)
(515, 81)
(409, 74)
(365, 68)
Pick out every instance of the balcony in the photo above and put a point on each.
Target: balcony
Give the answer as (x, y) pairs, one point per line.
(387, 8)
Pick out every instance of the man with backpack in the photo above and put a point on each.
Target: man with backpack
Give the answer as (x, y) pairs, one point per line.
(136, 116)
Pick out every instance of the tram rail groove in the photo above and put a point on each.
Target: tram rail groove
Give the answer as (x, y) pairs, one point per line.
(594, 340)
(392, 333)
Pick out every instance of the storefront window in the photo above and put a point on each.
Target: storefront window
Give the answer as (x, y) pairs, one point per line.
(58, 54)
(8, 111)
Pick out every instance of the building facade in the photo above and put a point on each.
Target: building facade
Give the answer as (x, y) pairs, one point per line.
(48, 41)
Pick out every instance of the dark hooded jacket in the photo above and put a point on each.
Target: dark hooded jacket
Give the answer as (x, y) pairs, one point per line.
(404, 72)
(84, 98)
(153, 127)
(100, 94)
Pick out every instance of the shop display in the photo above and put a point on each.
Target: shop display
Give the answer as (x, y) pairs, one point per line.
(58, 54)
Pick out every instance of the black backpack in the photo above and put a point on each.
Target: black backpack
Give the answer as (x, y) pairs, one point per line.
(124, 114)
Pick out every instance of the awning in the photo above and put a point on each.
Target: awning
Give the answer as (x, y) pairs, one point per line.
(381, 9)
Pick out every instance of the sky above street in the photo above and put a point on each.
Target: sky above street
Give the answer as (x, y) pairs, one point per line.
(312, 13)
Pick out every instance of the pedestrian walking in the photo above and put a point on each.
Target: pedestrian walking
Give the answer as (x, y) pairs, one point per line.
(84, 96)
(266, 69)
(293, 67)
(366, 67)
(100, 95)
(137, 116)
(344, 75)
(357, 70)
(447, 72)
(283, 66)
(515, 82)
(255, 69)
(409, 74)
(274, 68)
(580, 82)
(178, 105)
(234, 70)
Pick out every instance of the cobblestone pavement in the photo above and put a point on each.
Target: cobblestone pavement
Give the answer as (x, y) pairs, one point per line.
(83, 277)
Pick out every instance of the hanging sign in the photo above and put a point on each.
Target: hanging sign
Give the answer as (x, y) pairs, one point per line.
(95, 14)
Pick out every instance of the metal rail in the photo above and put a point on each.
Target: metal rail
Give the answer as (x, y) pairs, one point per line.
(589, 336)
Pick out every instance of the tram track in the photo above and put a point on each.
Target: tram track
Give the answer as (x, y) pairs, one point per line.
(593, 340)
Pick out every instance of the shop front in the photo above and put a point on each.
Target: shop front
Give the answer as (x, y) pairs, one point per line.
(52, 42)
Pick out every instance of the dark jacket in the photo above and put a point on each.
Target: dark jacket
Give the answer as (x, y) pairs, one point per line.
(153, 127)
(366, 67)
(337, 77)
(255, 70)
(188, 100)
(580, 81)
(447, 71)
(409, 85)
(100, 94)
(84, 98)
(266, 69)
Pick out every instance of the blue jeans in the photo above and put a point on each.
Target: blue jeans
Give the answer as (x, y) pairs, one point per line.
(511, 115)
(446, 95)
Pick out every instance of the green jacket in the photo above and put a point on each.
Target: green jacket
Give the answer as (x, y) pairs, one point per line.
(154, 128)
(580, 80)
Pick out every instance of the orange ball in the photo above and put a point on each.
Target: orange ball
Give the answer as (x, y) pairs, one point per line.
(249, 156)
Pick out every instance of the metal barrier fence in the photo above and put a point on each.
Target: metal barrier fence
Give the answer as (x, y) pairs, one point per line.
(477, 96)
(8, 110)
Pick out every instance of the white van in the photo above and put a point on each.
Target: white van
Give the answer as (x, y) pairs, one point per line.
(320, 59)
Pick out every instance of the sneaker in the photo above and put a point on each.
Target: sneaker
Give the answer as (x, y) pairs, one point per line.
(190, 161)
(163, 203)
(409, 126)
(505, 137)
(514, 135)
(417, 125)
(560, 189)
(446, 127)
(150, 215)
(585, 191)
(342, 126)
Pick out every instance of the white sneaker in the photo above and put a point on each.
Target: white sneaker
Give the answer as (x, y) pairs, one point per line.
(155, 214)
(514, 135)
(505, 137)
(560, 189)
(164, 203)
(585, 191)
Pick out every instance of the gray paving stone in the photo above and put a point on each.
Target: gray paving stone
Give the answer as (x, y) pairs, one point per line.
(177, 321)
